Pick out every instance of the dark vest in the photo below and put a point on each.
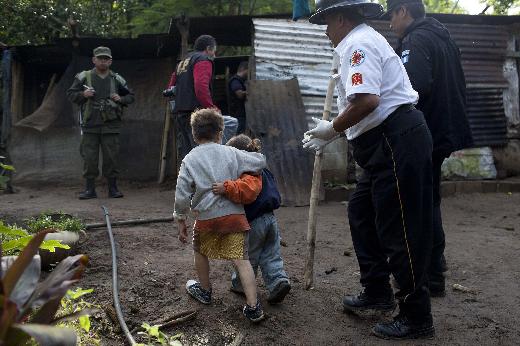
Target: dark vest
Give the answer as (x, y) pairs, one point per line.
(236, 106)
(185, 99)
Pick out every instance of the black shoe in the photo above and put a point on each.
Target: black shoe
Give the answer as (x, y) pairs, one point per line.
(254, 313)
(113, 192)
(90, 190)
(363, 302)
(402, 328)
(279, 292)
(195, 290)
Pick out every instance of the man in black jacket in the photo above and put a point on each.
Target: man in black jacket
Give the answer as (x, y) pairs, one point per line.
(432, 60)
(193, 78)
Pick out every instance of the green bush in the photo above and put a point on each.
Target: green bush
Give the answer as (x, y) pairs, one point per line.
(54, 220)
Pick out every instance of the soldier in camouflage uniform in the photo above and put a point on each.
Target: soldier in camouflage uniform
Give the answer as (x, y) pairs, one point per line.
(101, 95)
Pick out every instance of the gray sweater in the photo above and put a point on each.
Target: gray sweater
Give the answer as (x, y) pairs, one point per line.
(207, 164)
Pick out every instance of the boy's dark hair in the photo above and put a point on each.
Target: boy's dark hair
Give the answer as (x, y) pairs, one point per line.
(244, 142)
(416, 10)
(244, 65)
(206, 123)
(204, 41)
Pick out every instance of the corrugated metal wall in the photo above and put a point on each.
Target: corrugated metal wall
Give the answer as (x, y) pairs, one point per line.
(283, 49)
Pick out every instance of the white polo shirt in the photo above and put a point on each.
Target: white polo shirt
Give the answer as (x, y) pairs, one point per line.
(368, 65)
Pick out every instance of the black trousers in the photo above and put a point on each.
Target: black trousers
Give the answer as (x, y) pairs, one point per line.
(184, 136)
(435, 273)
(390, 213)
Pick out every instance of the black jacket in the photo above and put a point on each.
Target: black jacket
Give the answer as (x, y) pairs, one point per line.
(185, 98)
(432, 60)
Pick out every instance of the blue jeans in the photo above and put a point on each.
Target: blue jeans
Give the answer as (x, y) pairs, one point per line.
(230, 128)
(264, 251)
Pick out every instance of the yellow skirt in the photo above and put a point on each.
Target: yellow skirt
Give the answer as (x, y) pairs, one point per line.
(215, 245)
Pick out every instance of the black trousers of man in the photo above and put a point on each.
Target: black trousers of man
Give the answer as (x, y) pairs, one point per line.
(435, 273)
(184, 136)
(390, 213)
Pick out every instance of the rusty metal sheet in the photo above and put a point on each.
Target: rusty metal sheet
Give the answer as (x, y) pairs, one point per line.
(486, 117)
(276, 115)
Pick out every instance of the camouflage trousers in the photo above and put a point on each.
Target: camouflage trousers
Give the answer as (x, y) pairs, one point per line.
(89, 149)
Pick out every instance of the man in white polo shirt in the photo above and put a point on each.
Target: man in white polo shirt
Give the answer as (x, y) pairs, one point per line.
(390, 213)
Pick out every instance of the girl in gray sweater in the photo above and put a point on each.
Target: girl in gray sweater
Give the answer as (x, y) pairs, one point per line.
(221, 228)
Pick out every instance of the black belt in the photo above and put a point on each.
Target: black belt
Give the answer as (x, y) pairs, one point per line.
(369, 137)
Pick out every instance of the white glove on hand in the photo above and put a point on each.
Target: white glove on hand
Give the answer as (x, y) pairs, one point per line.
(316, 144)
(323, 130)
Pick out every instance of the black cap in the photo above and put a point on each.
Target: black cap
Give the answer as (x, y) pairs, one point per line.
(366, 8)
(393, 4)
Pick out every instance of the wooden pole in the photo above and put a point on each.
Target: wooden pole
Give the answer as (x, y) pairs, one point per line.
(315, 190)
(164, 143)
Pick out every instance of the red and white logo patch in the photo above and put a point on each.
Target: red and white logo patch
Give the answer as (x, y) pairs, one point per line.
(357, 79)
(357, 58)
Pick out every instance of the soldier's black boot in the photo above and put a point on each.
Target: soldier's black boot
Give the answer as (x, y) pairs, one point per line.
(364, 302)
(90, 190)
(113, 192)
(402, 328)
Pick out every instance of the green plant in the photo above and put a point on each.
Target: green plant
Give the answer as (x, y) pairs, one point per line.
(28, 307)
(72, 303)
(155, 336)
(14, 239)
(4, 179)
(54, 220)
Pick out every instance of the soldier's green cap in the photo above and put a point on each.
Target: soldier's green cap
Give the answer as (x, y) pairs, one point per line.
(102, 51)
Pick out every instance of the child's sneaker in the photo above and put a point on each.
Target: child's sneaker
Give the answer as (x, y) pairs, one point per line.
(196, 291)
(254, 313)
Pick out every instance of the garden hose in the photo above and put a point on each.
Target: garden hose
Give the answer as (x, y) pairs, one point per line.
(115, 285)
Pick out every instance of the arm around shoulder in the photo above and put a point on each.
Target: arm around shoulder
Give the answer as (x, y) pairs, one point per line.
(250, 162)
(244, 190)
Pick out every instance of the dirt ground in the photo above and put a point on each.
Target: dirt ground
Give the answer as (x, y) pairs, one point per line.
(483, 247)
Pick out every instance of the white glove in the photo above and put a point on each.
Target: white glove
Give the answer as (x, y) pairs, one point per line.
(316, 144)
(323, 130)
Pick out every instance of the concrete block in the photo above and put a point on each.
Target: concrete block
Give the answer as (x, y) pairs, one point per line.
(489, 186)
(469, 187)
(448, 188)
(508, 187)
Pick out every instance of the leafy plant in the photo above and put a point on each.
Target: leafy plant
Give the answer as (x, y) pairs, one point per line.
(155, 336)
(14, 239)
(54, 220)
(4, 179)
(73, 303)
(23, 299)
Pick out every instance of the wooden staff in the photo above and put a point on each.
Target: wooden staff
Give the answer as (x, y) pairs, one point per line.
(315, 190)
(164, 143)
